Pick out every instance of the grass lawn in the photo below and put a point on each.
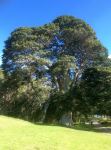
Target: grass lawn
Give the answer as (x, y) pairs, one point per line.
(16, 134)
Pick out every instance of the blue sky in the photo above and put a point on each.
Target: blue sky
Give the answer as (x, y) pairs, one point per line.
(17, 13)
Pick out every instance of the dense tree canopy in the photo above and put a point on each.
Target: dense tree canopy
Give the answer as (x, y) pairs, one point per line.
(52, 70)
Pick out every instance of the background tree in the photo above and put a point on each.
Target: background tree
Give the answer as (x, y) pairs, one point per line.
(95, 91)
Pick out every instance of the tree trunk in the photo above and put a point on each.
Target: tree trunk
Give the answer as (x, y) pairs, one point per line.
(66, 119)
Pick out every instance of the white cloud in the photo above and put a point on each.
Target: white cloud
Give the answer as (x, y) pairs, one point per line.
(109, 56)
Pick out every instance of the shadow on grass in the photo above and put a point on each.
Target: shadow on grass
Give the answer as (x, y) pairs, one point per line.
(93, 128)
(81, 127)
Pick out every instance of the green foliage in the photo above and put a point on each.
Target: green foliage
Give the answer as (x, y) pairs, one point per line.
(96, 89)
(60, 72)
(79, 40)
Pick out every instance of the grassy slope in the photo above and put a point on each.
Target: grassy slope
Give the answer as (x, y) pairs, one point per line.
(16, 134)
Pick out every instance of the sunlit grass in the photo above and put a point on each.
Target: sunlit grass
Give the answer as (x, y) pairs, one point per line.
(16, 134)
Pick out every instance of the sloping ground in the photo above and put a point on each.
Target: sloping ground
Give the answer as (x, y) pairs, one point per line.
(16, 134)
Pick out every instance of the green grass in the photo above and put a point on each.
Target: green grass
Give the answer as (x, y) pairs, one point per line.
(16, 134)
